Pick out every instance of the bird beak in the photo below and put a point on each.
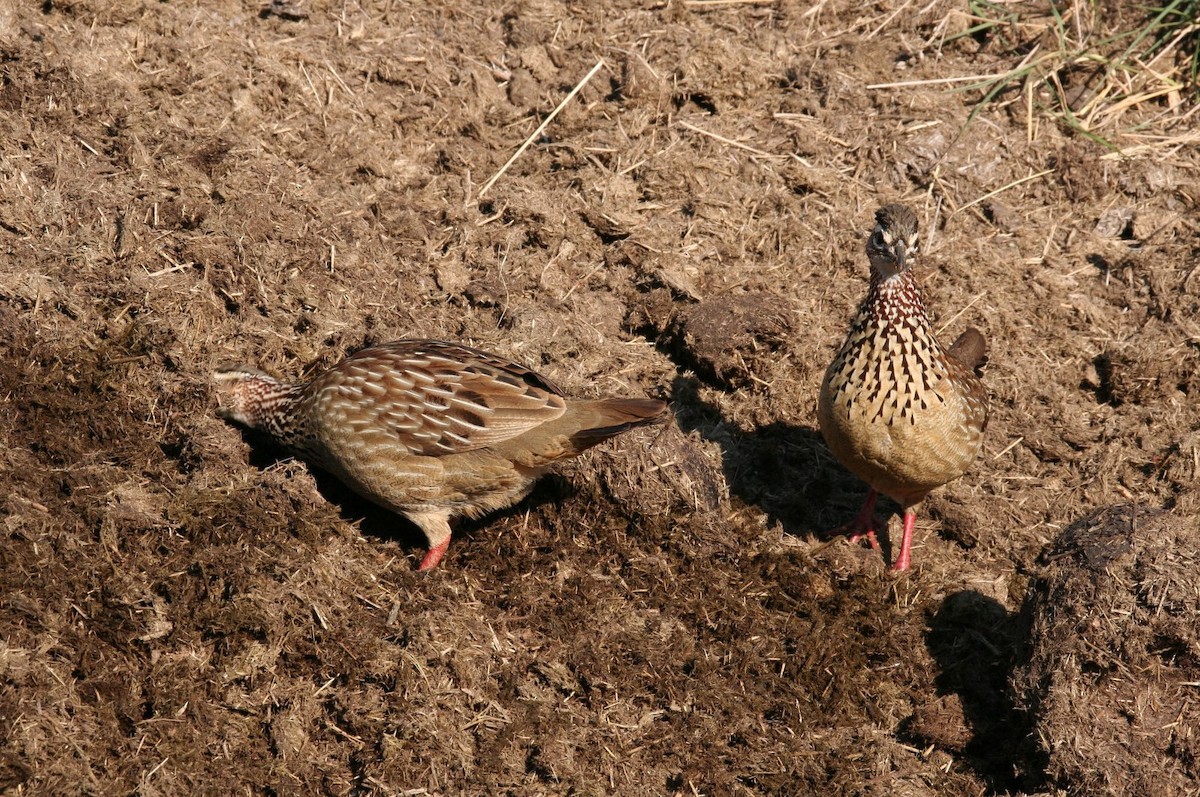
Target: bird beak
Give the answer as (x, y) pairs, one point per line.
(901, 256)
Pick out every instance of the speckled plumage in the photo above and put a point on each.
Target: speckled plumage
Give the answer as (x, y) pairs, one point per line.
(428, 429)
(895, 408)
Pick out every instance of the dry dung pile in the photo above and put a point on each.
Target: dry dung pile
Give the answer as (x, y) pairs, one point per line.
(1114, 655)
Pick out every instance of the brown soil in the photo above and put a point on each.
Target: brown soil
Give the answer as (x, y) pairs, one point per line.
(182, 611)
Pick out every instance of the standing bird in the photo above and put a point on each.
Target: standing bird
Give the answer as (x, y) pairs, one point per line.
(428, 429)
(896, 409)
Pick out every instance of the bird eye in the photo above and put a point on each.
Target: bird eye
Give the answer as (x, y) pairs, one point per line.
(877, 240)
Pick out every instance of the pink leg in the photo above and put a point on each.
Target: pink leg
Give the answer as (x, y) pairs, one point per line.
(862, 525)
(903, 560)
(436, 526)
(434, 555)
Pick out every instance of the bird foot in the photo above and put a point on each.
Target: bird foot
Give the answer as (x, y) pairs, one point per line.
(859, 536)
(861, 526)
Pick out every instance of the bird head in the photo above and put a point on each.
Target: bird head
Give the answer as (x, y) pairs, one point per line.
(893, 242)
(246, 395)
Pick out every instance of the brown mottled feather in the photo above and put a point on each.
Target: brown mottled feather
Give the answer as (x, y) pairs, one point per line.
(429, 429)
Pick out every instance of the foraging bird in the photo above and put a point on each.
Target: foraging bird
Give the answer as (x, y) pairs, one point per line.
(897, 410)
(428, 429)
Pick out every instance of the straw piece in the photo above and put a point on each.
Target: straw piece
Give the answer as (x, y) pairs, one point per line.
(545, 122)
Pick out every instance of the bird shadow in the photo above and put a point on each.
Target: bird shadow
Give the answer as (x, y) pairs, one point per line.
(976, 643)
(784, 469)
(379, 523)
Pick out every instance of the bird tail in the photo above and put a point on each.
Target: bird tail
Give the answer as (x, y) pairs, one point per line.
(607, 418)
(970, 350)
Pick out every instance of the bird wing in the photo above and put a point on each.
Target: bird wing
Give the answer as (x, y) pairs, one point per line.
(438, 398)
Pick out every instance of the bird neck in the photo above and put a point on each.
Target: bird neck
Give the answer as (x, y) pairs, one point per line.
(896, 301)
